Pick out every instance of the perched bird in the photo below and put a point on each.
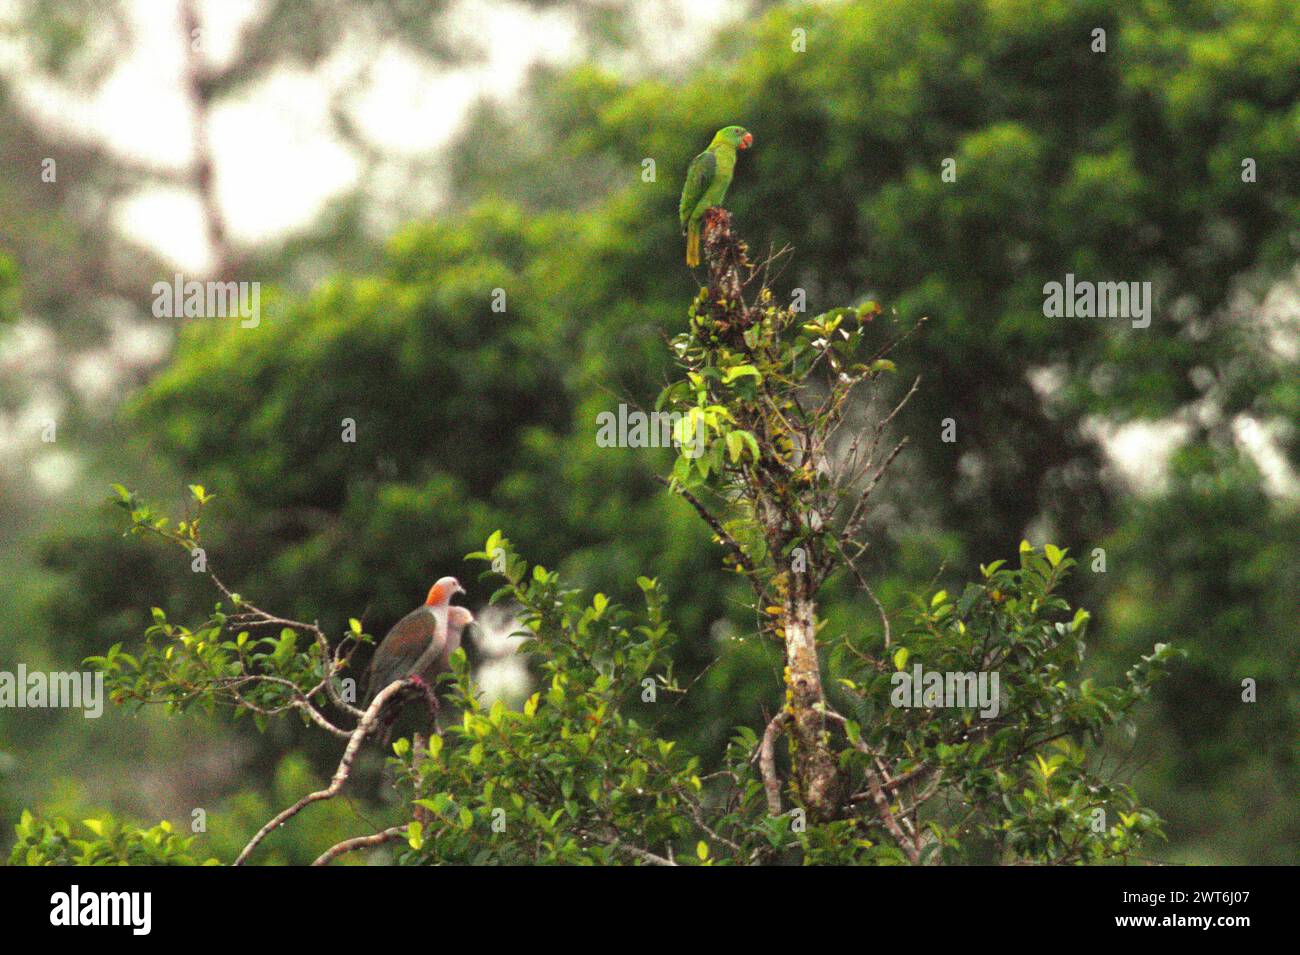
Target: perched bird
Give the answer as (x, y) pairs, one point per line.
(707, 179)
(420, 645)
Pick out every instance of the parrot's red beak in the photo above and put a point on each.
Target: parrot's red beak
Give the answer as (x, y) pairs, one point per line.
(747, 140)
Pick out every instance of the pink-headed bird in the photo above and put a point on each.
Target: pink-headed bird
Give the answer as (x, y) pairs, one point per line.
(420, 645)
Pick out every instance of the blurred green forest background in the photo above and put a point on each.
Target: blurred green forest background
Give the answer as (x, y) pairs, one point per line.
(1171, 448)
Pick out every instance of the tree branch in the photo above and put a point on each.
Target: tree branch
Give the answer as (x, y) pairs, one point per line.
(360, 842)
(767, 762)
(715, 525)
(340, 775)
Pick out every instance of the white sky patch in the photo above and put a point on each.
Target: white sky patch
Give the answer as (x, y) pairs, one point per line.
(503, 680)
(54, 472)
(139, 110)
(278, 158)
(138, 344)
(1260, 441)
(1279, 314)
(1047, 380)
(1137, 452)
(29, 348)
(502, 673)
(22, 430)
(170, 221)
(95, 376)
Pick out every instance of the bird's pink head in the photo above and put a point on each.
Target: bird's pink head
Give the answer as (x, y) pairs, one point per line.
(440, 594)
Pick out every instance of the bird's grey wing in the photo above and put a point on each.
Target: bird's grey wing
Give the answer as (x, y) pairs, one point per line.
(434, 650)
(402, 649)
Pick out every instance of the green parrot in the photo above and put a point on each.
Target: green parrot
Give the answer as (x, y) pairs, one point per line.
(707, 179)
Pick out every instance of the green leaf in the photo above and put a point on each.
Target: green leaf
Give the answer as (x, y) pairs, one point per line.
(735, 446)
(900, 658)
(740, 371)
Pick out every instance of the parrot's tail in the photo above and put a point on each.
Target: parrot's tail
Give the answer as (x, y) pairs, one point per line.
(693, 244)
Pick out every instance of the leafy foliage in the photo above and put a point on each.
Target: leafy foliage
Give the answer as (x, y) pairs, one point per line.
(1124, 164)
(99, 842)
(574, 776)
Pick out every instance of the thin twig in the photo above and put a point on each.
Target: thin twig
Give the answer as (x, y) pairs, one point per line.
(862, 582)
(859, 512)
(714, 524)
(643, 854)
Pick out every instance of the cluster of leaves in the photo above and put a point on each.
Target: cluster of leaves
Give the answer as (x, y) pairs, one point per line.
(580, 773)
(763, 393)
(223, 659)
(727, 375)
(571, 777)
(574, 778)
(1016, 784)
(105, 842)
(181, 667)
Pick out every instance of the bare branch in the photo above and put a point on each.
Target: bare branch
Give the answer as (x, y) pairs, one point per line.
(340, 775)
(767, 762)
(858, 514)
(642, 854)
(360, 842)
(887, 817)
(862, 582)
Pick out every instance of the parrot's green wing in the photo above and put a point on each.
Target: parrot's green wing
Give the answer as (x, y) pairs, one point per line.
(699, 175)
